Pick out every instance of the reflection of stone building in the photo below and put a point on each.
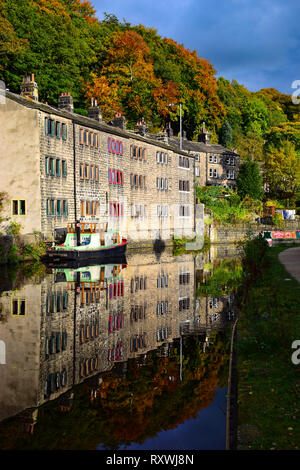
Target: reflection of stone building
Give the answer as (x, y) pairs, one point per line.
(76, 324)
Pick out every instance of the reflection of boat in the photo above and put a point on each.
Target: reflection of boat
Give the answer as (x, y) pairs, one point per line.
(90, 280)
(89, 274)
(87, 241)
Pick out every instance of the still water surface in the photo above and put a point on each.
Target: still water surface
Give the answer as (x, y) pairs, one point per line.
(129, 355)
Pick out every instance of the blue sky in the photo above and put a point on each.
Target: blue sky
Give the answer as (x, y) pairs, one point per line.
(255, 42)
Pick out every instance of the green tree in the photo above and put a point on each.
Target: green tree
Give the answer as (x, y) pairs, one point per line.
(281, 167)
(249, 180)
(250, 146)
(225, 135)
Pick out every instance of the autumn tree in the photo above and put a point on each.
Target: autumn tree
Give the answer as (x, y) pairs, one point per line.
(250, 146)
(281, 167)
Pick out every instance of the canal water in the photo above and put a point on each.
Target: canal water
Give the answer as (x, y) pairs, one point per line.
(130, 355)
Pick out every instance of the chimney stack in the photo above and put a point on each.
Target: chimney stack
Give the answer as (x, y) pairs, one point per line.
(119, 121)
(169, 129)
(204, 136)
(65, 102)
(29, 88)
(141, 127)
(94, 112)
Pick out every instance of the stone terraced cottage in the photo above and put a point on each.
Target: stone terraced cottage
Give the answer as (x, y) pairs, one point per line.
(59, 167)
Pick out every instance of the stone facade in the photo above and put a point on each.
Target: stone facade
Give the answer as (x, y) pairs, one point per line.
(214, 164)
(60, 167)
(81, 168)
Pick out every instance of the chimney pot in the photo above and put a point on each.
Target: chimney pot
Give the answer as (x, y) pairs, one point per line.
(65, 102)
(94, 112)
(29, 88)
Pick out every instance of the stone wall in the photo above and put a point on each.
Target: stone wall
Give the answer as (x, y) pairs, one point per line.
(20, 165)
(235, 234)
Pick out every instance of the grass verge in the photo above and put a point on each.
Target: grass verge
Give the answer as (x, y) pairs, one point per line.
(268, 381)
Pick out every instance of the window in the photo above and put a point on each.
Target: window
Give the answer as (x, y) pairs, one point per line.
(50, 207)
(57, 130)
(18, 307)
(64, 168)
(184, 278)
(162, 280)
(51, 166)
(184, 211)
(162, 307)
(213, 303)
(88, 172)
(64, 207)
(162, 157)
(18, 207)
(213, 173)
(57, 167)
(162, 211)
(184, 186)
(51, 127)
(81, 136)
(57, 207)
(197, 171)
(116, 209)
(184, 162)
(133, 151)
(184, 303)
(114, 146)
(95, 140)
(230, 174)
(138, 181)
(162, 183)
(64, 131)
(138, 211)
(115, 177)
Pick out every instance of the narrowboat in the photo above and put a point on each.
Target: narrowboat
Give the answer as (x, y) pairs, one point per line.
(87, 241)
(276, 236)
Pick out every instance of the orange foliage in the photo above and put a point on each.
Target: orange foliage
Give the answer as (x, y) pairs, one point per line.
(53, 7)
(164, 95)
(106, 94)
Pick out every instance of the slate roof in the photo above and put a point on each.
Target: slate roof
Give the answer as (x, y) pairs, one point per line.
(193, 146)
(92, 123)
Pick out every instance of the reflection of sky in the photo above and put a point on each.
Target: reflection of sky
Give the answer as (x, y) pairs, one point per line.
(206, 432)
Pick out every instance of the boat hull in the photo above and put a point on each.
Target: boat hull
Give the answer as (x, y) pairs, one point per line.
(76, 255)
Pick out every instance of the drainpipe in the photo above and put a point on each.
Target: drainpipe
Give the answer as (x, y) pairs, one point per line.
(74, 167)
(75, 195)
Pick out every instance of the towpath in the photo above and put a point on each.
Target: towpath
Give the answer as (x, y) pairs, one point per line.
(290, 258)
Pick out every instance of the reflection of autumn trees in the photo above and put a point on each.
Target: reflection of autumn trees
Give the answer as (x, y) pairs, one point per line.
(145, 403)
(151, 398)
